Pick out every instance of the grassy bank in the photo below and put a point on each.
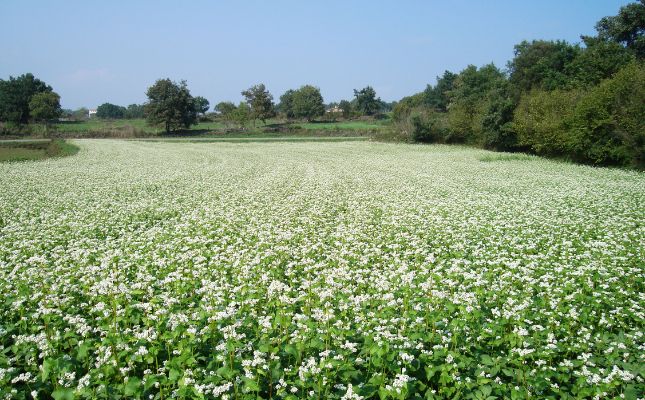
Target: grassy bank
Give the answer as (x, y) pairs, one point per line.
(35, 150)
(138, 128)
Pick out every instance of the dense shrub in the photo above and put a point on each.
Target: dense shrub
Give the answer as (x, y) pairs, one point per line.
(474, 91)
(110, 111)
(609, 122)
(584, 103)
(428, 125)
(542, 121)
(603, 126)
(497, 124)
(403, 108)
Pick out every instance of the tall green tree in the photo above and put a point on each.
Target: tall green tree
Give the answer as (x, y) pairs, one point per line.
(307, 103)
(45, 106)
(541, 64)
(599, 60)
(286, 103)
(135, 111)
(626, 28)
(110, 111)
(346, 108)
(470, 101)
(608, 125)
(225, 111)
(242, 114)
(542, 121)
(224, 108)
(201, 105)
(260, 101)
(170, 105)
(407, 104)
(366, 101)
(15, 95)
(437, 96)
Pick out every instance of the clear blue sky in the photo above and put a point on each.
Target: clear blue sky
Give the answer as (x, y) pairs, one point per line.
(93, 52)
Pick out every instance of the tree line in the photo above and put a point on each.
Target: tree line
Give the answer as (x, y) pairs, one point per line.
(171, 105)
(580, 102)
(584, 102)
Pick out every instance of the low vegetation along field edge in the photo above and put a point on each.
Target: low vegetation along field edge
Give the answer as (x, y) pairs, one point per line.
(138, 128)
(21, 150)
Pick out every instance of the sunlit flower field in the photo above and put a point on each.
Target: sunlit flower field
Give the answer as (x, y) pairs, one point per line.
(349, 270)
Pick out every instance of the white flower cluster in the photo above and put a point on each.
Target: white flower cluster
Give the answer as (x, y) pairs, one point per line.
(303, 268)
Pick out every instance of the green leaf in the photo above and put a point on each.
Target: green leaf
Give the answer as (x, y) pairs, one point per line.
(291, 350)
(251, 384)
(82, 351)
(174, 375)
(225, 372)
(133, 386)
(631, 392)
(368, 390)
(487, 360)
(150, 381)
(63, 394)
(48, 365)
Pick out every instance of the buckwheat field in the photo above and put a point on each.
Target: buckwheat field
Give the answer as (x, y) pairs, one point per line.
(348, 270)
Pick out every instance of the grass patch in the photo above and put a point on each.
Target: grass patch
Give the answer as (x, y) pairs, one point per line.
(132, 128)
(507, 157)
(35, 150)
(249, 139)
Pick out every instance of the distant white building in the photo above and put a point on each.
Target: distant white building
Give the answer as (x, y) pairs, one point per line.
(91, 112)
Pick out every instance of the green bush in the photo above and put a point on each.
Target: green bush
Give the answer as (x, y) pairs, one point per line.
(403, 108)
(497, 124)
(609, 122)
(542, 121)
(604, 126)
(428, 125)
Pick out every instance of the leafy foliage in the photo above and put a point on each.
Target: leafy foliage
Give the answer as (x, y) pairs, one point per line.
(110, 111)
(346, 108)
(542, 64)
(470, 101)
(286, 104)
(403, 108)
(201, 105)
(134, 111)
(15, 96)
(366, 101)
(307, 103)
(559, 99)
(608, 122)
(543, 121)
(600, 60)
(626, 28)
(437, 96)
(260, 101)
(239, 115)
(170, 105)
(45, 106)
